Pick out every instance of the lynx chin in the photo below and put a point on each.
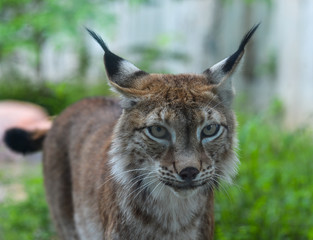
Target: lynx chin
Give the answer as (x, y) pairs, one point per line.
(144, 167)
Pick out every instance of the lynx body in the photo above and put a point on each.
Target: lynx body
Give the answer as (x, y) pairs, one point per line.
(144, 168)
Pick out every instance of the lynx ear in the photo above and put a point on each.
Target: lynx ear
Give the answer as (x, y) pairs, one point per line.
(220, 73)
(122, 74)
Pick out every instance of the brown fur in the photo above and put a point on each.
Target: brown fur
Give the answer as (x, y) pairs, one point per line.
(110, 175)
(70, 140)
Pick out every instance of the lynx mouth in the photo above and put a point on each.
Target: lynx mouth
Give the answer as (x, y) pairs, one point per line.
(182, 190)
(184, 186)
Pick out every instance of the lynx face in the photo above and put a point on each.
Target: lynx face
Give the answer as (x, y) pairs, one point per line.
(179, 136)
(176, 131)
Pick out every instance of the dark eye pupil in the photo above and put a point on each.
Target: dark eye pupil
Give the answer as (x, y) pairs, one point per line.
(158, 129)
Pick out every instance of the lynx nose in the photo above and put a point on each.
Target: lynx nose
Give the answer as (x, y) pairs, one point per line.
(188, 173)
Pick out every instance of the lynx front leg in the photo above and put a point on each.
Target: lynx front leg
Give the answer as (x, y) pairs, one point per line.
(59, 191)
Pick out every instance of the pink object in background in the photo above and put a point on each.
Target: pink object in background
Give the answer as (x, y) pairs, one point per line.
(18, 114)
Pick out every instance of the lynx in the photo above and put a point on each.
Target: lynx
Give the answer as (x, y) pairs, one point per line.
(145, 167)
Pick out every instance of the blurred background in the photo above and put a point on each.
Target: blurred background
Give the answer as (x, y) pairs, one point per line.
(48, 59)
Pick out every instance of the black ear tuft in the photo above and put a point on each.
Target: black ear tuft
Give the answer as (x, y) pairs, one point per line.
(99, 40)
(219, 74)
(118, 69)
(232, 60)
(247, 37)
(112, 61)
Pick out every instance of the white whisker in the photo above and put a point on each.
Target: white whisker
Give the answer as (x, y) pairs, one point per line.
(155, 188)
(143, 187)
(111, 176)
(159, 192)
(148, 176)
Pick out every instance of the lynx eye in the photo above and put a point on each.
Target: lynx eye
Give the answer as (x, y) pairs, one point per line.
(158, 131)
(210, 131)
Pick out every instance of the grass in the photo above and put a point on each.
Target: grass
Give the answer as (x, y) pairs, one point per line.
(271, 199)
(24, 213)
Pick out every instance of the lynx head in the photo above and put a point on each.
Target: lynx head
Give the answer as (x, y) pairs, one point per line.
(176, 131)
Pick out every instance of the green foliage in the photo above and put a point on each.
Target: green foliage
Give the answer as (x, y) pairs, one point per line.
(29, 218)
(27, 25)
(272, 197)
(52, 96)
(156, 56)
(29, 22)
(268, 66)
(150, 56)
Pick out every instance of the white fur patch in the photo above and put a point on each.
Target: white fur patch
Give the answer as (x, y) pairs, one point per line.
(126, 68)
(88, 223)
(230, 166)
(181, 209)
(118, 170)
(217, 68)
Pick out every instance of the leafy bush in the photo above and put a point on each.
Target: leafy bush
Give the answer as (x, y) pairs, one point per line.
(52, 96)
(272, 197)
